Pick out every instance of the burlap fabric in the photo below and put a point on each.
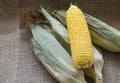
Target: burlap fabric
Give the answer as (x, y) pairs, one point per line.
(17, 61)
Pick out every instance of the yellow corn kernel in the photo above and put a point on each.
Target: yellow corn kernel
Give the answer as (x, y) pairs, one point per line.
(80, 40)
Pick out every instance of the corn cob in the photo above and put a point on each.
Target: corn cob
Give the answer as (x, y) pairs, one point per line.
(80, 41)
(54, 57)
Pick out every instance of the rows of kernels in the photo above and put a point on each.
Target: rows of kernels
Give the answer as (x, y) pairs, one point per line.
(80, 40)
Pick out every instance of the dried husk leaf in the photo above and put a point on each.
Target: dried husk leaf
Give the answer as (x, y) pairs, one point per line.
(56, 25)
(55, 57)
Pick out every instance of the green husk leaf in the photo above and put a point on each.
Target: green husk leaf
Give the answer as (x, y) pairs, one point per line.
(58, 37)
(56, 25)
(50, 64)
(101, 41)
(101, 33)
(47, 40)
(60, 16)
(104, 29)
(54, 53)
(62, 13)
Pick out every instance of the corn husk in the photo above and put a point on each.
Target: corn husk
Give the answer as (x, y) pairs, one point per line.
(95, 72)
(98, 64)
(56, 25)
(109, 33)
(101, 33)
(58, 37)
(61, 15)
(54, 57)
(101, 41)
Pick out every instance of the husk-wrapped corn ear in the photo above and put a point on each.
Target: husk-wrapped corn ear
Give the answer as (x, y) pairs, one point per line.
(54, 57)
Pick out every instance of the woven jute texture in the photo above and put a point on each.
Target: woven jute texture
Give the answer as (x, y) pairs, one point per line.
(17, 61)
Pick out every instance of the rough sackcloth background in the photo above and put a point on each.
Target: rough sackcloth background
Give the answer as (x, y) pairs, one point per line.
(17, 61)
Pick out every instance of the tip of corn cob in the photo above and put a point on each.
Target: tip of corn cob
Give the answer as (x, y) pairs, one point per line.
(80, 41)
